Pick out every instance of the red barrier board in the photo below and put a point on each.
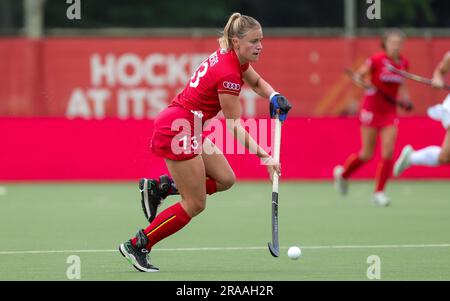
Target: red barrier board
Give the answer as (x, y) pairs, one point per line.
(113, 149)
(134, 78)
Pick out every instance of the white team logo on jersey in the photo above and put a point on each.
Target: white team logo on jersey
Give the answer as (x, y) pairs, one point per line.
(199, 114)
(231, 86)
(213, 59)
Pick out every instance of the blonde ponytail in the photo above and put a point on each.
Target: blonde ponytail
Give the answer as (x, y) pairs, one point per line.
(237, 26)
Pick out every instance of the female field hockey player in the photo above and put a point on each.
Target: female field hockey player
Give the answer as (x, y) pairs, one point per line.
(214, 86)
(378, 116)
(431, 155)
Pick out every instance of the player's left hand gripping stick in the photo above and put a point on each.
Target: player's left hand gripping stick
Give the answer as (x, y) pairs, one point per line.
(279, 105)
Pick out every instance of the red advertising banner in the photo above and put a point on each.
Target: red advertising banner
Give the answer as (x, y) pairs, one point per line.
(98, 78)
(113, 149)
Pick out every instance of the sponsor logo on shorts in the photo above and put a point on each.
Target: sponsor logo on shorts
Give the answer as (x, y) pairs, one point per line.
(366, 117)
(231, 86)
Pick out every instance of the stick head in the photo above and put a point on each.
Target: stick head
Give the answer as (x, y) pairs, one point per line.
(274, 250)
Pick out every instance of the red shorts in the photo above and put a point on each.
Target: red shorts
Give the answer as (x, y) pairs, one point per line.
(376, 112)
(177, 134)
(376, 119)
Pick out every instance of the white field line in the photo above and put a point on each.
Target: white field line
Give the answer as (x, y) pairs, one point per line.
(234, 249)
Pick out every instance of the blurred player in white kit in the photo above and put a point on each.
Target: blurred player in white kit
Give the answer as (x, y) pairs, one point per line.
(431, 155)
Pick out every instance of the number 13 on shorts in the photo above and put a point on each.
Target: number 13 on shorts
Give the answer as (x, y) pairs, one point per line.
(189, 143)
(184, 143)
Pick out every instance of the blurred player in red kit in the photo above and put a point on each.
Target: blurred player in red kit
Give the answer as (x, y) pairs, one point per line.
(378, 116)
(196, 165)
(432, 155)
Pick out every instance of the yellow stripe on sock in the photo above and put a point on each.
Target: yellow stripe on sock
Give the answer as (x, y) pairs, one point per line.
(162, 224)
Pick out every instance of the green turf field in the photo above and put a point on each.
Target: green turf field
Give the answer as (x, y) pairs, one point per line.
(42, 224)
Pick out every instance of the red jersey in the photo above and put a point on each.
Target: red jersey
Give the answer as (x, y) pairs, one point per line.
(384, 80)
(220, 73)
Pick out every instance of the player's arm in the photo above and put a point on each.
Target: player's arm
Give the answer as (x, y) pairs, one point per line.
(231, 109)
(441, 70)
(404, 92)
(257, 83)
(278, 103)
(363, 72)
(405, 101)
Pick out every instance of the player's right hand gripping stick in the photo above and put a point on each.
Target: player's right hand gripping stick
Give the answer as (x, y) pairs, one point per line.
(279, 105)
(407, 105)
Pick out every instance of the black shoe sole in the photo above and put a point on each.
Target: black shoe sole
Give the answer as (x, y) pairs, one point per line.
(147, 200)
(143, 188)
(133, 261)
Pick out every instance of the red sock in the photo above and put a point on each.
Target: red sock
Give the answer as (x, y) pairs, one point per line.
(351, 165)
(211, 186)
(166, 223)
(384, 170)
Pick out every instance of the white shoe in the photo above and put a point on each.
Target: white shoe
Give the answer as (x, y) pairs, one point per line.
(403, 162)
(340, 183)
(440, 113)
(380, 199)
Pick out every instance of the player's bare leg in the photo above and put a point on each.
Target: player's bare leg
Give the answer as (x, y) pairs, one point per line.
(388, 137)
(220, 177)
(355, 161)
(189, 176)
(217, 167)
(369, 142)
(444, 155)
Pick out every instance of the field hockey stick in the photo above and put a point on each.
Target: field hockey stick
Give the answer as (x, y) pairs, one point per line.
(408, 106)
(412, 76)
(274, 247)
